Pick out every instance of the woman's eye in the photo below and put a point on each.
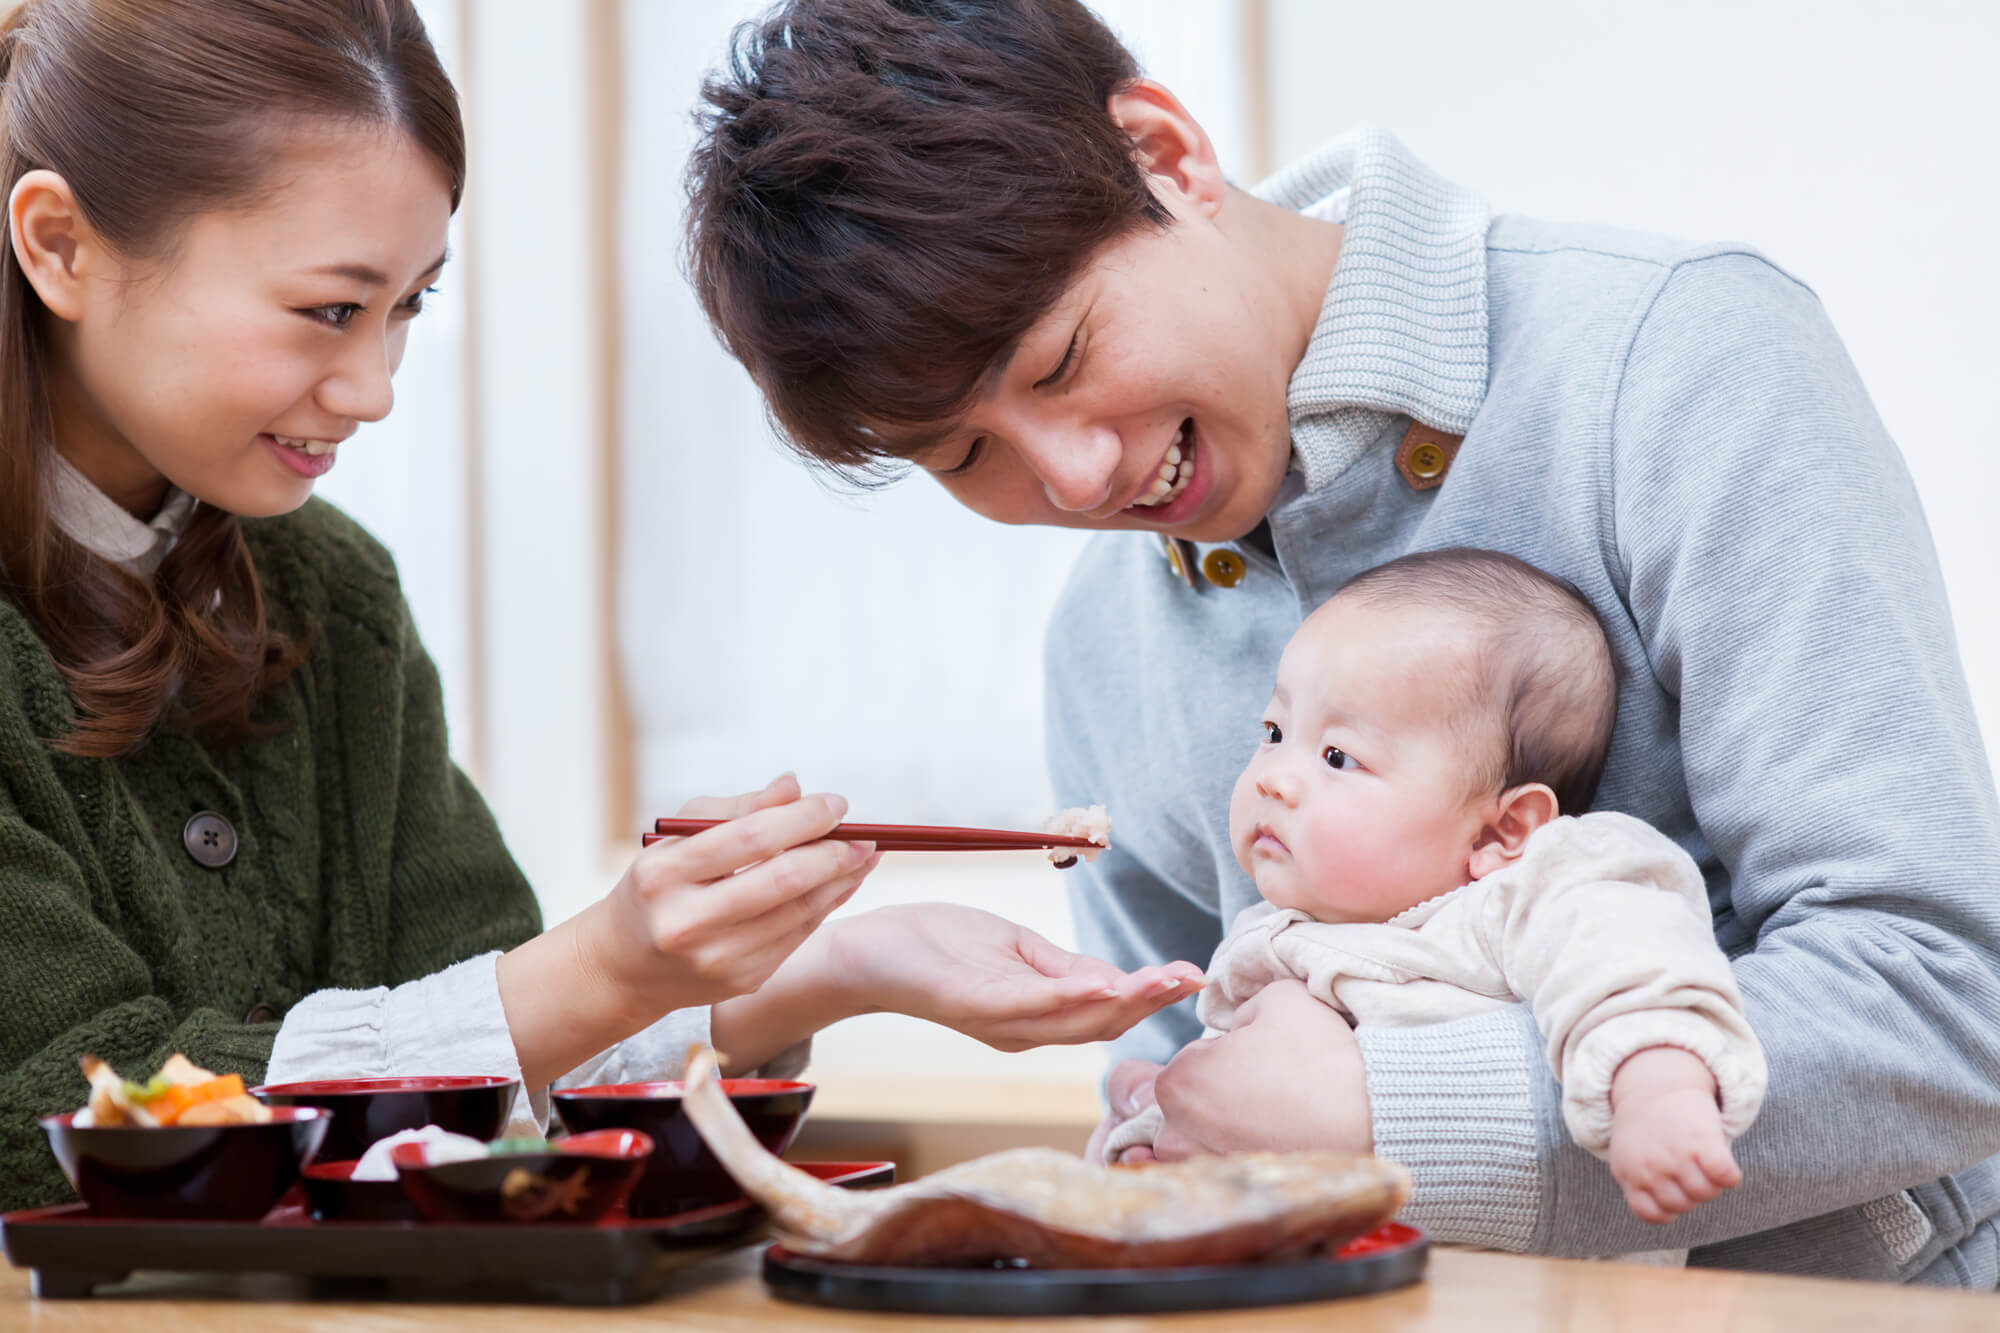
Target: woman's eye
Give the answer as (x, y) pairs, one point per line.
(1272, 733)
(1336, 757)
(334, 316)
(415, 305)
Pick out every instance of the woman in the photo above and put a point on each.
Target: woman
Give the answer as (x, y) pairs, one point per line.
(973, 238)
(230, 826)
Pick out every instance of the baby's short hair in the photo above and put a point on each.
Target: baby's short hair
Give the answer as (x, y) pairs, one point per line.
(1545, 667)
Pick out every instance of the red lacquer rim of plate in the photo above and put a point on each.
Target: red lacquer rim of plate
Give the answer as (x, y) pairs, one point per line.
(350, 1087)
(674, 1089)
(1388, 1236)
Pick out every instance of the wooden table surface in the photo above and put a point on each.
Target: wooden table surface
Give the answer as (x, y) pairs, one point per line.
(1490, 1293)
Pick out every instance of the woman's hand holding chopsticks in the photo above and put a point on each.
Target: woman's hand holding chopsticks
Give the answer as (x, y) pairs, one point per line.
(694, 920)
(701, 918)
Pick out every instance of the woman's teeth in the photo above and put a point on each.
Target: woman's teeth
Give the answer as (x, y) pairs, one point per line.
(1175, 473)
(312, 447)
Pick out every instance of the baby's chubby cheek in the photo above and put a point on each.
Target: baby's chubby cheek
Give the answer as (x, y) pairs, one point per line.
(1241, 821)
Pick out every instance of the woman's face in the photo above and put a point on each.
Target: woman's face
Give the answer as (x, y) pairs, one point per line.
(1152, 396)
(236, 365)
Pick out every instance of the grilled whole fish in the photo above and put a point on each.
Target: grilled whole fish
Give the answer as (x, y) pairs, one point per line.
(1054, 1210)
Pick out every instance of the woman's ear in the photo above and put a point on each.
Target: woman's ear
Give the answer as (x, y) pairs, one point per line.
(1504, 835)
(48, 233)
(1172, 146)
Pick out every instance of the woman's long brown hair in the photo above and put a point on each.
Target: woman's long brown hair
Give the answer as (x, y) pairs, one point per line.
(154, 113)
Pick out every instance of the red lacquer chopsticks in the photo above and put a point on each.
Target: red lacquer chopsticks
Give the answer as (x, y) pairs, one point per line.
(902, 837)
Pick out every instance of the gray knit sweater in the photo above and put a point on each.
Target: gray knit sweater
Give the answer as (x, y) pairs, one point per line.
(1677, 429)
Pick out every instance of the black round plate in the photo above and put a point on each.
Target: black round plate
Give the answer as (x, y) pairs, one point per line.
(1065, 1291)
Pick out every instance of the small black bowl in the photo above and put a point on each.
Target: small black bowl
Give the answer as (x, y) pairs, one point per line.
(682, 1173)
(209, 1171)
(577, 1179)
(374, 1108)
(334, 1195)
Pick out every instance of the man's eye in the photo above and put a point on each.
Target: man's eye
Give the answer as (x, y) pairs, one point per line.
(1055, 376)
(971, 457)
(1336, 757)
(1272, 734)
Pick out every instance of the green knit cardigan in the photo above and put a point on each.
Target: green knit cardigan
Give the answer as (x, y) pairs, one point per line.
(365, 857)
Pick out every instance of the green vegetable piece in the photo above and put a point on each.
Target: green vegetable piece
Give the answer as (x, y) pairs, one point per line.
(501, 1147)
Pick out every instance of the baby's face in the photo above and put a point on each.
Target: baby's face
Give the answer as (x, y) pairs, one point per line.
(1358, 803)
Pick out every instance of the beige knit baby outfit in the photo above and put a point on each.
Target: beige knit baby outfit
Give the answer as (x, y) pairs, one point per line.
(1602, 925)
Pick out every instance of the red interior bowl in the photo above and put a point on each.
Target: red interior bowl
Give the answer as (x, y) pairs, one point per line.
(334, 1195)
(208, 1171)
(682, 1173)
(579, 1179)
(374, 1108)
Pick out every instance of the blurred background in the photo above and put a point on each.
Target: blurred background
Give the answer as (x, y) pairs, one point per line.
(635, 595)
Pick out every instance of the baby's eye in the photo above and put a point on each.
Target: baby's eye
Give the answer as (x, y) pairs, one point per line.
(1336, 757)
(1272, 735)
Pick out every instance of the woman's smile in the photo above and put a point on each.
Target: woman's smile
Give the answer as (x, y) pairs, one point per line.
(308, 458)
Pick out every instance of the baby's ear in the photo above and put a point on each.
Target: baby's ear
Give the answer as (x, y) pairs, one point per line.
(1518, 812)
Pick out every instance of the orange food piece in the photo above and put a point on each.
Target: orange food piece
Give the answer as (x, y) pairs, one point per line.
(172, 1104)
(226, 1111)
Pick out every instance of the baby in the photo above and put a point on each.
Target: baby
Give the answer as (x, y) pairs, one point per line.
(1403, 822)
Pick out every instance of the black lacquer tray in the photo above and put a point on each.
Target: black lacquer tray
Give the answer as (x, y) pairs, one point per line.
(617, 1261)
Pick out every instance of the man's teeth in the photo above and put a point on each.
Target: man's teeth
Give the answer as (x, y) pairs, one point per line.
(313, 447)
(1175, 474)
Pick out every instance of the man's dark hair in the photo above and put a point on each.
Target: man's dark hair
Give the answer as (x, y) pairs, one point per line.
(885, 195)
(1545, 667)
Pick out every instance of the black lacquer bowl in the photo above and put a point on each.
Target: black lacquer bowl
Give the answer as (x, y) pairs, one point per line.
(683, 1173)
(208, 1171)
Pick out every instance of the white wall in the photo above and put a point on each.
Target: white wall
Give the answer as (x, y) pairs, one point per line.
(1852, 146)
(1854, 142)
(404, 478)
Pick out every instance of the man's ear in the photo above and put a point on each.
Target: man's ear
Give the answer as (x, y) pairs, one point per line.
(1173, 149)
(1518, 813)
(49, 235)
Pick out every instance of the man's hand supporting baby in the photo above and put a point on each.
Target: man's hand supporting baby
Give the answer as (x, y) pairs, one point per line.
(1668, 1150)
(1321, 1101)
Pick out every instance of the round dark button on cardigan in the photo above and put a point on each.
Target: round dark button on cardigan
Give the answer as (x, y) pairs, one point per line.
(261, 1012)
(1223, 567)
(210, 840)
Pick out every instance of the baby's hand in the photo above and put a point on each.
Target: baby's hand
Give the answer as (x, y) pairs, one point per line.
(1668, 1151)
(1137, 1155)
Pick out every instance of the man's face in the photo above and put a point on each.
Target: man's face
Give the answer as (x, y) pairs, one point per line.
(1152, 396)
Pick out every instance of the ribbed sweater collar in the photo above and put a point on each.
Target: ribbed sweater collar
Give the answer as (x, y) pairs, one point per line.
(1403, 327)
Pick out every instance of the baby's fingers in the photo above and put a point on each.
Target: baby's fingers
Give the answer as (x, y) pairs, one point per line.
(1667, 1192)
(1719, 1168)
(1645, 1207)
